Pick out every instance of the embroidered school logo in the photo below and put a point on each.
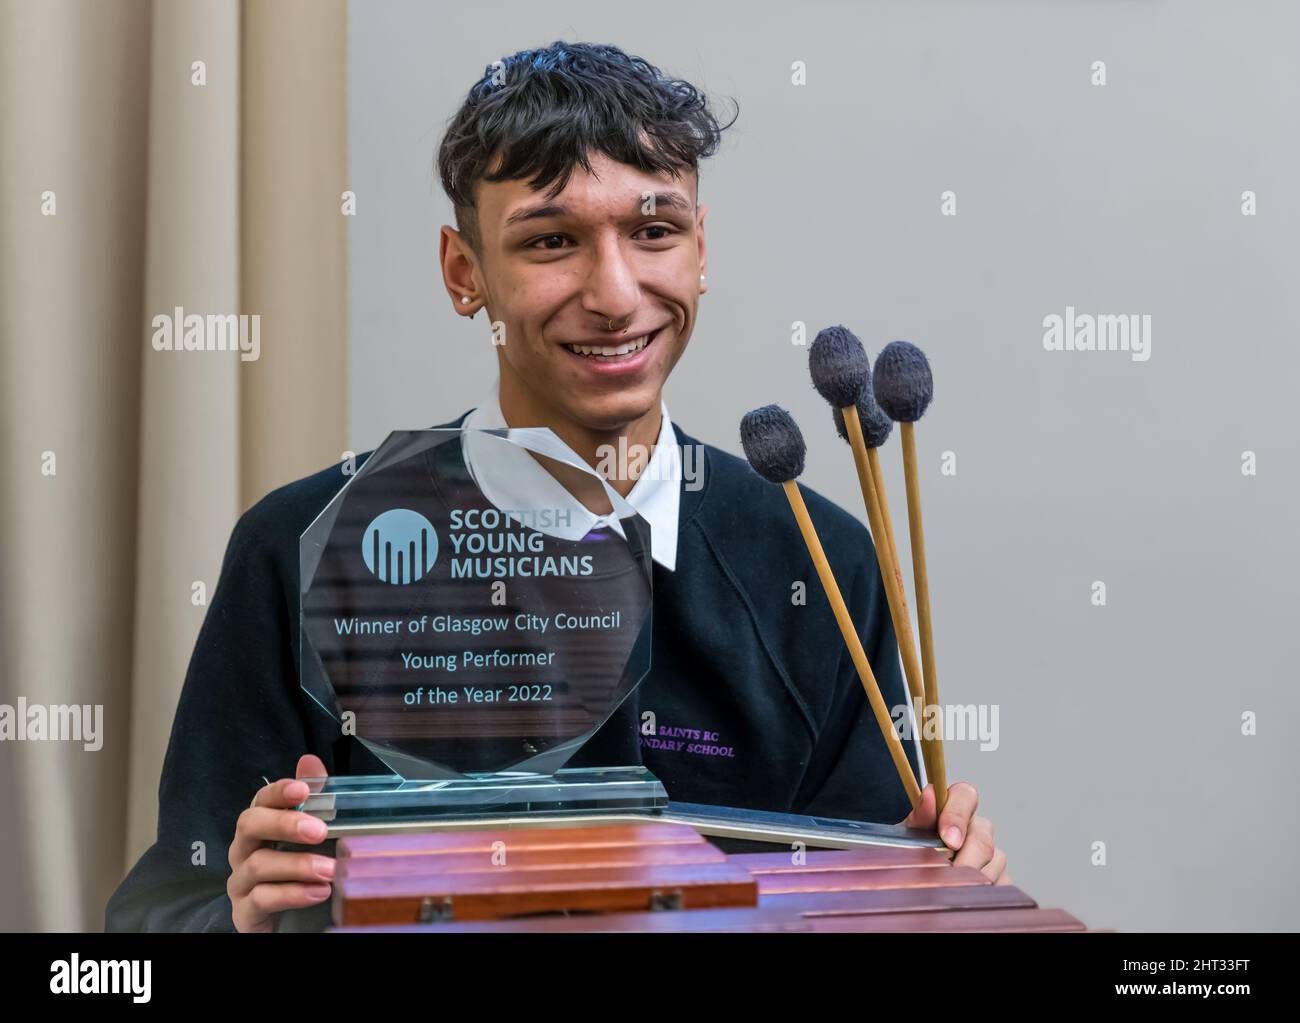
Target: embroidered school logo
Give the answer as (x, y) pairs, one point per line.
(399, 546)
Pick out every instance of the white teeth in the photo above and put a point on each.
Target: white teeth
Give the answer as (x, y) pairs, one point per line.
(626, 348)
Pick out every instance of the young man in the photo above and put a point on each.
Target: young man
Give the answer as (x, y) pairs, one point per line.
(594, 290)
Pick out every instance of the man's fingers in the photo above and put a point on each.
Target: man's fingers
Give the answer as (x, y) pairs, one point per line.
(978, 848)
(266, 881)
(310, 766)
(260, 824)
(276, 898)
(284, 794)
(994, 868)
(265, 865)
(252, 829)
(955, 820)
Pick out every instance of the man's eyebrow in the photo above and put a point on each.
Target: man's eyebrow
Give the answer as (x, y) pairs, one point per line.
(674, 200)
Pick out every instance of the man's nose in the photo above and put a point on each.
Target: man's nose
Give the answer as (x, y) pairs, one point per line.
(612, 290)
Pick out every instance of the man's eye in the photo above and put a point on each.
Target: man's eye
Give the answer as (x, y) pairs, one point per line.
(541, 244)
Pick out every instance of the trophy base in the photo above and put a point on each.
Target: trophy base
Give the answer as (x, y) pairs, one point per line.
(349, 804)
(382, 803)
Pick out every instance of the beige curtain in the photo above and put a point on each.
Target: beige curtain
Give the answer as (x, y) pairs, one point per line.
(182, 153)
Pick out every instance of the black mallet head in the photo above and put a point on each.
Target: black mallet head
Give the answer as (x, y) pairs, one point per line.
(773, 443)
(839, 366)
(902, 382)
(876, 426)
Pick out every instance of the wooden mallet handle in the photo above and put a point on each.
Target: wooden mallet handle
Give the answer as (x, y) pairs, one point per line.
(850, 634)
(928, 745)
(921, 579)
(890, 575)
(873, 457)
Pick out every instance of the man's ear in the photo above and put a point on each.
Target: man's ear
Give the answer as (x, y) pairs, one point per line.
(700, 212)
(460, 272)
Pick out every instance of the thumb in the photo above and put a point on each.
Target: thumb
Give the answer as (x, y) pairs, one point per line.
(924, 816)
(310, 766)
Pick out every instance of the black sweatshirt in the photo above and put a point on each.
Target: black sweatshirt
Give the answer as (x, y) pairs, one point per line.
(756, 701)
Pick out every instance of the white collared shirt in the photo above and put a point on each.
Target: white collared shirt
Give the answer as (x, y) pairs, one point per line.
(520, 482)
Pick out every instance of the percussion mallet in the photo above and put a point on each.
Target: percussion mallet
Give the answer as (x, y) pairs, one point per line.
(904, 386)
(876, 427)
(775, 449)
(840, 372)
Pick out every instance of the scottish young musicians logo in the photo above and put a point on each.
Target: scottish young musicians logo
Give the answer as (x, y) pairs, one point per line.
(399, 546)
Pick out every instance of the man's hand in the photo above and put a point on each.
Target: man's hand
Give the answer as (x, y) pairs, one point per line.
(971, 837)
(265, 881)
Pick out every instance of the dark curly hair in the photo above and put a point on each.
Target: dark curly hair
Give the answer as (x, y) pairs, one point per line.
(541, 112)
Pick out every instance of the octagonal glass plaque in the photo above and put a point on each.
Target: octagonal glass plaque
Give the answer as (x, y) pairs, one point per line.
(474, 602)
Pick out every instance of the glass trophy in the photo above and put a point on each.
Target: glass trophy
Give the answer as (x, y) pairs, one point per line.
(474, 605)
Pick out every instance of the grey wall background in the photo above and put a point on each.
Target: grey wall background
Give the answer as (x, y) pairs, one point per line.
(1119, 724)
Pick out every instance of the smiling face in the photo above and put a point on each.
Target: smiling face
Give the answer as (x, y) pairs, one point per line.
(556, 271)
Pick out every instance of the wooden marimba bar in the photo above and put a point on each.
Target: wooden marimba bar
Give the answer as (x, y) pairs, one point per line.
(660, 877)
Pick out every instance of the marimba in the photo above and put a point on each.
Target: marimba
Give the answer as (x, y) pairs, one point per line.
(656, 876)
